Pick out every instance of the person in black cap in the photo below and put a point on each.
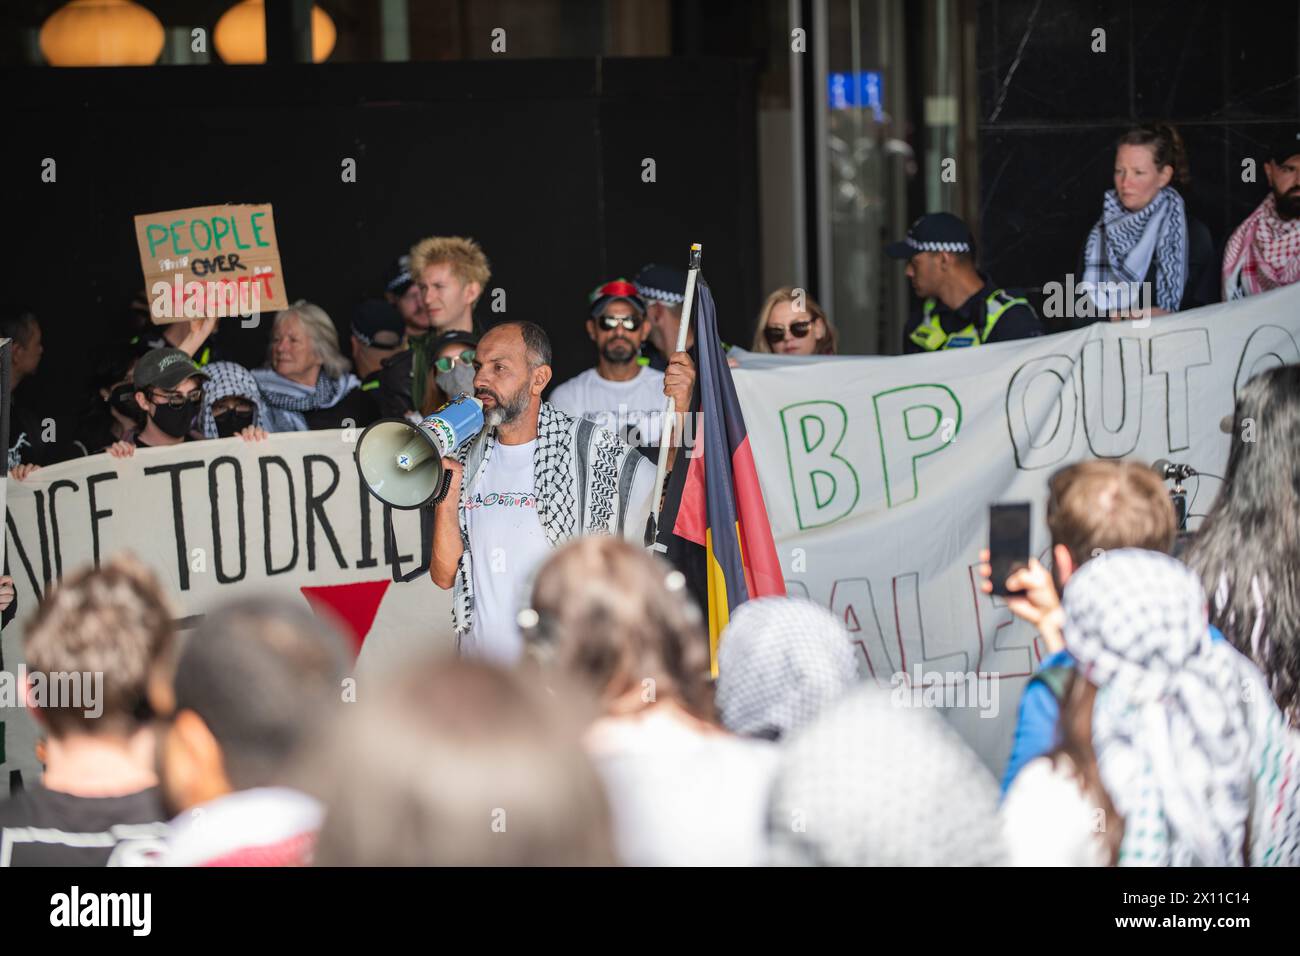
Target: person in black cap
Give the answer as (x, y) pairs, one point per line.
(618, 393)
(378, 334)
(663, 289)
(961, 307)
(169, 389)
(1264, 251)
(403, 293)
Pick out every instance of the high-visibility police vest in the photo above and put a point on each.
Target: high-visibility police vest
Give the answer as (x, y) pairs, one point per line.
(929, 334)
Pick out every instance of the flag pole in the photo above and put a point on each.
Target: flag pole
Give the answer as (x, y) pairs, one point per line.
(669, 417)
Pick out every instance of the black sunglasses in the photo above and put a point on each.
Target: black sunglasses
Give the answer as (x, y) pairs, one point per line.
(775, 333)
(630, 322)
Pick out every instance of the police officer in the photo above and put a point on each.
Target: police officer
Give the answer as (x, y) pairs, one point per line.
(961, 306)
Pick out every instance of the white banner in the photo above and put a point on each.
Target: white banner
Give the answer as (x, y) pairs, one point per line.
(216, 519)
(878, 472)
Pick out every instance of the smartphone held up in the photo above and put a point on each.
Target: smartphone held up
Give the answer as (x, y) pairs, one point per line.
(1008, 542)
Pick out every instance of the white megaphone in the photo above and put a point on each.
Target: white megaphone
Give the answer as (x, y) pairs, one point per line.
(401, 464)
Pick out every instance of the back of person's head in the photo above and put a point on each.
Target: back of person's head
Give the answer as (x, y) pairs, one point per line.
(871, 783)
(1246, 549)
(1166, 145)
(251, 685)
(458, 763)
(610, 617)
(780, 662)
(1177, 717)
(1100, 505)
(107, 627)
(811, 312)
(17, 324)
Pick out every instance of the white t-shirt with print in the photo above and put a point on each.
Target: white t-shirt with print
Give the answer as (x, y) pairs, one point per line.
(508, 543)
(637, 403)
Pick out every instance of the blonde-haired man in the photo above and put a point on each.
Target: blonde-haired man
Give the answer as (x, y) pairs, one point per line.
(452, 273)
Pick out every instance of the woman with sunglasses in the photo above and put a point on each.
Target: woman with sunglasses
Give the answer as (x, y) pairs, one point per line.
(792, 323)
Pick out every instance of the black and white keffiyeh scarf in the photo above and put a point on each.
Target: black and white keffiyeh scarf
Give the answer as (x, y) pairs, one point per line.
(583, 475)
(780, 662)
(224, 380)
(1189, 744)
(1122, 245)
(286, 400)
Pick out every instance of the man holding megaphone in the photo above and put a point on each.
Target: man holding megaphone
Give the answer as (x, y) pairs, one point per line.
(533, 478)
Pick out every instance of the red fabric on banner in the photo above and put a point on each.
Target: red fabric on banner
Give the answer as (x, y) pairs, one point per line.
(353, 606)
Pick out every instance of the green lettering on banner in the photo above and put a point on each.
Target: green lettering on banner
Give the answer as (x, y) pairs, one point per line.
(176, 243)
(220, 229)
(234, 231)
(206, 228)
(901, 442)
(155, 237)
(257, 229)
(818, 473)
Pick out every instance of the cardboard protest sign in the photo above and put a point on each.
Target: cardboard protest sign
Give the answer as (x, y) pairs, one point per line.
(210, 262)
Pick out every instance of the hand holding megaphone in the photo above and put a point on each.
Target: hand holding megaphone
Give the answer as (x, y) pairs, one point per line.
(453, 470)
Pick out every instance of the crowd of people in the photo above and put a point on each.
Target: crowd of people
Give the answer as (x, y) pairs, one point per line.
(412, 346)
(1163, 727)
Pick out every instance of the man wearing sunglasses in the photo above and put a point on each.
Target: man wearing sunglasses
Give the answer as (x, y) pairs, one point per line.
(169, 389)
(619, 393)
(961, 306)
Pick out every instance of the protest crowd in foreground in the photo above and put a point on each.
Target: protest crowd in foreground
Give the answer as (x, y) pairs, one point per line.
(605, 705)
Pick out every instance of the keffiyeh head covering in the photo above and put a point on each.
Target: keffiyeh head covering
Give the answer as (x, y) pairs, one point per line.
(1123, 244)
(780, 661)
(1186, 734)
(224, 380)
(874, 783)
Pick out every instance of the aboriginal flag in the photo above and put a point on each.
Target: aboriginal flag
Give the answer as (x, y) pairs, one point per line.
(718, 504)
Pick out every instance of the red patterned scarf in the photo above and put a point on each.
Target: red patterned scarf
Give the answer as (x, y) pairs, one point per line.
(1262, 254)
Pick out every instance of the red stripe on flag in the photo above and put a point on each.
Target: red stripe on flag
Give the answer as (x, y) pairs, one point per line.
(762, 569)
(693, 509)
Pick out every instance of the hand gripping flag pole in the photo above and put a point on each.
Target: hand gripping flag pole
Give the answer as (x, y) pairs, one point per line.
(669, 417)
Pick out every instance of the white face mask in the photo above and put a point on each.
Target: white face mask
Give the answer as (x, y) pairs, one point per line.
(460, 380)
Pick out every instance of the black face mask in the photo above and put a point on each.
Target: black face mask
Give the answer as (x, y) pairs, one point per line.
(122, 400)
(233, 420)
(174, 421)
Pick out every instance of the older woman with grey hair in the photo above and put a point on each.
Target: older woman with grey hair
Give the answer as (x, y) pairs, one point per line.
(307, 383)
